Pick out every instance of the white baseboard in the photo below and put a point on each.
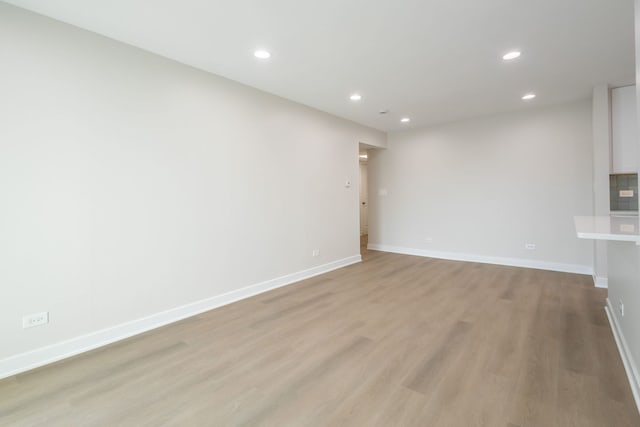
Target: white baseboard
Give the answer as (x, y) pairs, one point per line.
(601, 282)
(514, 262)
(42, 356)
(627, 359)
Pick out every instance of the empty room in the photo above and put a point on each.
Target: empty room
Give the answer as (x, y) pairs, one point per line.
(319, 213)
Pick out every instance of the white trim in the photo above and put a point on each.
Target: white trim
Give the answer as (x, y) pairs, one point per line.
(601, 282)
(515, 262)
(625, 354)
(61, 350)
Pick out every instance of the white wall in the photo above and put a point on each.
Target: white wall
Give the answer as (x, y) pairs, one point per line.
(131, 184)
(481, 189)
(624, 286)
(624, 275)
(601, 125)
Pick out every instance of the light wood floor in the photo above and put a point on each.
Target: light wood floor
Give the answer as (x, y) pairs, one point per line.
(393, 341)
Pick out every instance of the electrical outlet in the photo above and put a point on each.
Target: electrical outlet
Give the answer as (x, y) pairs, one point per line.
(530, 246)
(315, 252)
(621, 307)
(35, 319)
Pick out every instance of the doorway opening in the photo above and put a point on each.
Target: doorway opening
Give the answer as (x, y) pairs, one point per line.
(363, 199)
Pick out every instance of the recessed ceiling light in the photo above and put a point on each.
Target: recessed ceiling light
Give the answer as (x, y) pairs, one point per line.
(262, 54)
(511, 55)
(405, 120)
(363, 156)
(529, 96)
(355, 97)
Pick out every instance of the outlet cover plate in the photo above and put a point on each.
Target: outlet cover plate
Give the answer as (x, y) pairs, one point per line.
(35, 319)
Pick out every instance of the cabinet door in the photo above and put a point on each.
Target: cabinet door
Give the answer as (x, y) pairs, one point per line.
(624, 130)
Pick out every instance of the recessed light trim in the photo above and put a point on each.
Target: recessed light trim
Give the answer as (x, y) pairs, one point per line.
(355, 97)
(262, 54)
(363, 156)
(405, 120)
(511, 55)
(528, 96)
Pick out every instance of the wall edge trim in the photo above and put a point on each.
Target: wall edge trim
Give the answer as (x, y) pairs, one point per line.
(627, 359)
(42, 356)
(513, 262)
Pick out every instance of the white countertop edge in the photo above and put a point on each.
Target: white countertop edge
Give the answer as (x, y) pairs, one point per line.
(602, 236)
(613, 228)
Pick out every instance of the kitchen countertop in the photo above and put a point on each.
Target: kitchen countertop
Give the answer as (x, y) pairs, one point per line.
(618, 228)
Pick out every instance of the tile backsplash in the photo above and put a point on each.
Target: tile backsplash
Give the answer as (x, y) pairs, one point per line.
(623, 184)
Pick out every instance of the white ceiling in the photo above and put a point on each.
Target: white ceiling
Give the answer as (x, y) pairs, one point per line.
(432, 60)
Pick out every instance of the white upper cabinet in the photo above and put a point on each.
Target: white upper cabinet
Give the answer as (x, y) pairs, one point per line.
(624, 130)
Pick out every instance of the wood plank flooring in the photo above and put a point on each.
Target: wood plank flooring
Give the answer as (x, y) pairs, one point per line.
(393, 341)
